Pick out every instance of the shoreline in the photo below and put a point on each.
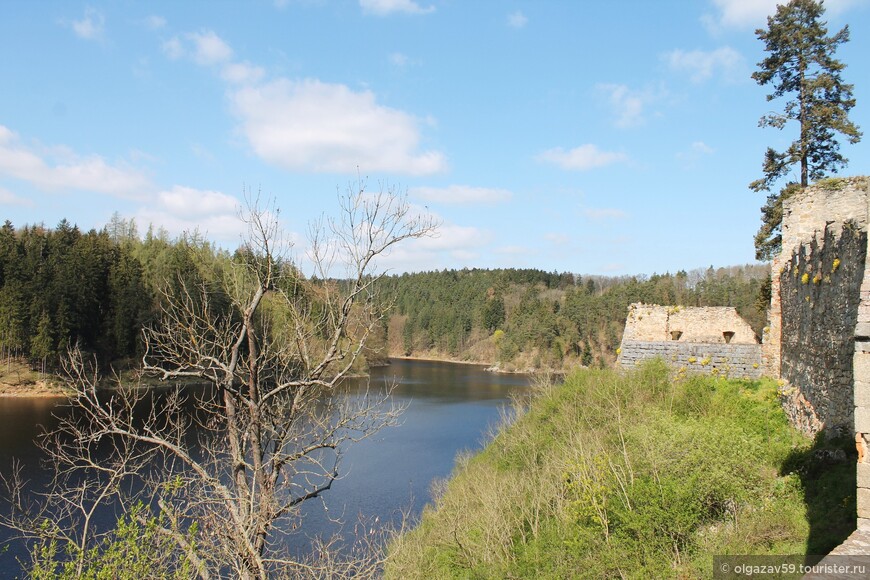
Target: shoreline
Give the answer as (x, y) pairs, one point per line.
(31, 391)
(444, 360)
(492, 368)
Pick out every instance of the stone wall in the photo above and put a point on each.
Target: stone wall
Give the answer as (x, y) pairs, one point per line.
(714, 324)
(819, 298)
(711, 340)
(818, 339)
(730, 360)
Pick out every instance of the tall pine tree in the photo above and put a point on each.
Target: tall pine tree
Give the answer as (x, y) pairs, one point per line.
(801, 65)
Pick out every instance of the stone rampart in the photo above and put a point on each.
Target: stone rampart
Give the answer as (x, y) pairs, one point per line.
(731, 360)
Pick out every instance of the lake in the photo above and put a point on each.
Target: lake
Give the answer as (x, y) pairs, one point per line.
(449, 409)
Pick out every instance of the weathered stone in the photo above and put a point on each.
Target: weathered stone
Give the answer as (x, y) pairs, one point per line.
(862, 419)
(863, 502)
(863, 475)
(862, 393)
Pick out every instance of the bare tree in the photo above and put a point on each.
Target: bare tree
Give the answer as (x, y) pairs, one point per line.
(275, 347)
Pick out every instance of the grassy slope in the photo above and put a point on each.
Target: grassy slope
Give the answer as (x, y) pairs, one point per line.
(633, 475)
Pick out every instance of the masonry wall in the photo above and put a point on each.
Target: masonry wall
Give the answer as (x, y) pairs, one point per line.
(710, 340)
(819, 293)
(818, 339)
(731, 360)
(653, 322)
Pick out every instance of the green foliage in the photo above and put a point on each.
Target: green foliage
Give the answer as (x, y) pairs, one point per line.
(134, 550)
(801, 64)
(621, 475)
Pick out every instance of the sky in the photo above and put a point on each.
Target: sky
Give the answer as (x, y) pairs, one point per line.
(594, 137)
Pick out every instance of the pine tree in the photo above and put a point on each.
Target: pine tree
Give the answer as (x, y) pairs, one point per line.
(801, 64)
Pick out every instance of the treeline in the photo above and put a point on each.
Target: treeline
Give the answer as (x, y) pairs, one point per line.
(98, 289)
(542, 319)
(60, 287)
(63, 286)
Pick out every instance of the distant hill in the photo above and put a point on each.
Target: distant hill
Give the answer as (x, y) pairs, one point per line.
(526, 318)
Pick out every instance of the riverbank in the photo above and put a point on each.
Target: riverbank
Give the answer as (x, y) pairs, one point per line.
(631, 474)
(17, 379)
(490, 367)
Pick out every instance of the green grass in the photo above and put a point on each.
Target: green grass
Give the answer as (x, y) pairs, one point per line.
(632, 475)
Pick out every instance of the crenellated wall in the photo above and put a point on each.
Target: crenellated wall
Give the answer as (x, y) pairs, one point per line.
(818, 339)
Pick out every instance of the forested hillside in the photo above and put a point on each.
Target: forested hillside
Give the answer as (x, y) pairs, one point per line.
(532, 318)
(61, 286)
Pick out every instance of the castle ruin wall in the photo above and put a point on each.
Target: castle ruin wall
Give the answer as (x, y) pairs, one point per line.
(818, 338)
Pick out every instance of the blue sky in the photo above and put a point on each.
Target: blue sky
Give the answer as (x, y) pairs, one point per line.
(584, 136)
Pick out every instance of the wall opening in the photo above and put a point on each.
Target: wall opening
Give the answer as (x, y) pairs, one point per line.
(728, 335)
(676, 334)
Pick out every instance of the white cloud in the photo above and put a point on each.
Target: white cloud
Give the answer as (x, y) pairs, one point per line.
(386, 7)
(173, 49)
(627, 104)
(701, 65)
(454, 246)
(517, 20)
(205, 48)
(399, 60)
(155, 22)
(242, 73)
(746, 13)
(209, 48)
(604, 213)
(185, 209)
(461, 194)
(701, 147)
(61, 169)
(91, 26)
(9, 198)
(581, 158)
(310, 125)
(696, 151)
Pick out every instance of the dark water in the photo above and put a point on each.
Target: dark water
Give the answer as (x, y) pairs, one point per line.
(449, 409)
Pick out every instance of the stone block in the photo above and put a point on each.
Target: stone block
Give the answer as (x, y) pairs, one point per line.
(862, 393)
(863, 524)
(862, 329)
(861, 366)
(864, 475)
(863, 502)
(862, 419)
